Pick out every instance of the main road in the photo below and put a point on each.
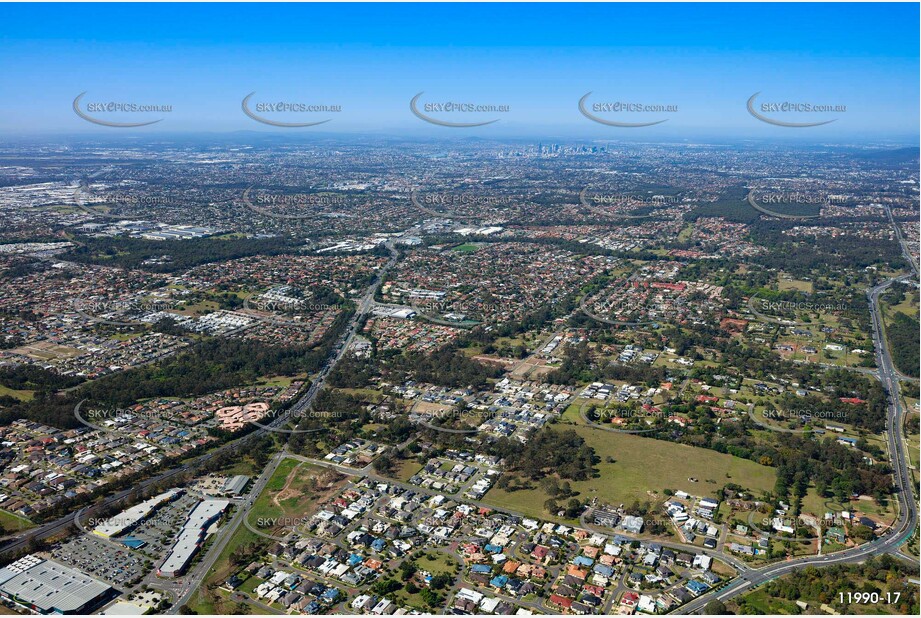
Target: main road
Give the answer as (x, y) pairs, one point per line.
(364, 306)
(907, 523)
(365, 303)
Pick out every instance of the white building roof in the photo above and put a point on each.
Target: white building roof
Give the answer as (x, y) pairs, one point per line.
(50, 586)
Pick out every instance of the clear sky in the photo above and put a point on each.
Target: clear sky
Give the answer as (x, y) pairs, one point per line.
(538, 59)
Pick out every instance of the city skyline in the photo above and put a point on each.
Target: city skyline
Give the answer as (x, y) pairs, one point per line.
(529, 309)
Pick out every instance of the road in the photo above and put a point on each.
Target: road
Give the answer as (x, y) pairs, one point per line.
(902, 242)
(189, 583)
(365, 304)
(907, 522)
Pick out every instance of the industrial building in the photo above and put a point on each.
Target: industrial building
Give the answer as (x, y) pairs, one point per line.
(191, 536)
(48, 587)
(179, 232)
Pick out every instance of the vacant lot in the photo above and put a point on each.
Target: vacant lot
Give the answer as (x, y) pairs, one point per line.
(13, 523)
(642, 468)
(405, 469)
(788, 283)
(44, 350)
(293, 492)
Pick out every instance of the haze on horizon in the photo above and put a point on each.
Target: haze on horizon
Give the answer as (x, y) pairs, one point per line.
(371, 60)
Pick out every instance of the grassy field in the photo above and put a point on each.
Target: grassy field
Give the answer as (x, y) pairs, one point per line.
(762, 603)
(20, 395)
(466, 248)
(908, 306)
(784, 284)
(642, 469)
(243, 466)
(281, 381)
(403, 598)
(14, 523)
(437, 562)
(405, 469)
(294, 491)
(124, 336)
(368, 394)
(199, 308)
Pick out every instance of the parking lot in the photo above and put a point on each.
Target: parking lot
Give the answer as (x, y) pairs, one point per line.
(118, 564)
(101, 559)
(159, 530)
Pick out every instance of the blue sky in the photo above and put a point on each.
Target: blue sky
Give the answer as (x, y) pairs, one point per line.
(538, 59)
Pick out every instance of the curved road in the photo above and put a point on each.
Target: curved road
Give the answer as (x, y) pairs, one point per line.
(61, 524)
(907, 522)
(748, 578)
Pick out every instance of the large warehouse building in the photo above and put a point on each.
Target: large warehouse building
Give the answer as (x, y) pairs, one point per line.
(129, 518)
(191, 536)
(48, 587)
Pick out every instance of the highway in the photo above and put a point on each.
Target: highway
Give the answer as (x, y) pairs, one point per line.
(903, 244)
(197, 577)
(365, 304)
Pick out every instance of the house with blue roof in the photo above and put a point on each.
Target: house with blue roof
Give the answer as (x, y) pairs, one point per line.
(499, 581)
(481, 568)
(492, 549)
(696, 588)
(583, 561)
(603, 570)
(330, 595)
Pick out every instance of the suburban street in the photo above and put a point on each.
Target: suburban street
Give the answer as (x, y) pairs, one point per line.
(907, 522)
(748, 577)
(59, 525)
